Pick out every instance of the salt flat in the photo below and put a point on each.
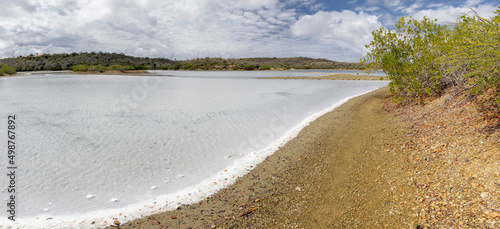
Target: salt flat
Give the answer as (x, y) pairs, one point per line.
(91, 145)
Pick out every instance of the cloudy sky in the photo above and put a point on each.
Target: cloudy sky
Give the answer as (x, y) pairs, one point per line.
(185, 29)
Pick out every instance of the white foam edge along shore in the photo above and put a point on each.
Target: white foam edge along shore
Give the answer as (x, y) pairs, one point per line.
(169, 202)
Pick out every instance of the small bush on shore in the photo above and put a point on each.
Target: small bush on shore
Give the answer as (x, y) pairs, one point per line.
(265, 67)
(101, 68)
(80, 68)
(5, 69)
(118, 67)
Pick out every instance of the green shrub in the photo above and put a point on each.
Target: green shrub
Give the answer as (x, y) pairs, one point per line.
(475, 52)
(409, 56)
(119, 67)
(177, 66)
(97, 68)
(265, 67)
(422, 58)
(5, 69)
(165, 67)
(80, 68)
(249, 67)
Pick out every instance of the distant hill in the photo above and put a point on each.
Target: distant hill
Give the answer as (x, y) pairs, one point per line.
(65, 61)
(262, 63)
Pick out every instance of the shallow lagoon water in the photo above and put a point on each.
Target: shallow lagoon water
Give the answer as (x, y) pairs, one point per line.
(236, 74)
(336, 71)
(89, 144)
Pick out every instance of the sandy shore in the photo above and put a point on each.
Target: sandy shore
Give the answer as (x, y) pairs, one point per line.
(332, 175)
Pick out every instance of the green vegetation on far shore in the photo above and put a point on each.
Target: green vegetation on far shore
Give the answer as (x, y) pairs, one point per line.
(5, 69)
(261, 63)
(101, 68)
(100, 61)
(65, 61)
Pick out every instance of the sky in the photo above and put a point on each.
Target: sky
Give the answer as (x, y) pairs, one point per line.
(187, 29)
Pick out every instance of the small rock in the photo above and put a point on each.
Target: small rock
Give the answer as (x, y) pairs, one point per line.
(494, 214)
(484, 195)
(116, 222)
(298, 189)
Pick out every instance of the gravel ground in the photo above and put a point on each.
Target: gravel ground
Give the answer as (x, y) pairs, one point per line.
(451, 163)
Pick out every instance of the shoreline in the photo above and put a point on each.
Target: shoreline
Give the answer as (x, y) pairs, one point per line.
(67, 72)
(256, 190)
(332, 76)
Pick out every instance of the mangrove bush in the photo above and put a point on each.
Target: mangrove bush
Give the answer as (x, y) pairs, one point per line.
(422, 58)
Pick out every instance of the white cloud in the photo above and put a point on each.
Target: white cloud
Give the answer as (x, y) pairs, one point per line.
(471, 3)
(175, 29)
(388, 11)
(199, 28)
(450, 14)
(348, 31)
(367, 8)
(413, 7)
(182, 29)
(257, 4)
(394, 4)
